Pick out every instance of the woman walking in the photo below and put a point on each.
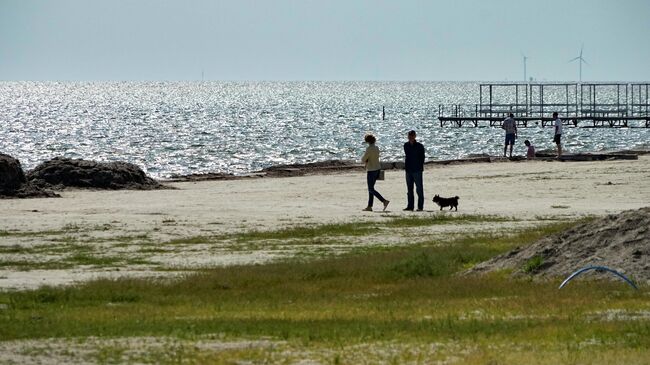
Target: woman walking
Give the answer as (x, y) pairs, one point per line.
(373, 167)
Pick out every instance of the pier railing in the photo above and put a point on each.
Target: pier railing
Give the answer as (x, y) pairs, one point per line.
(597, 104)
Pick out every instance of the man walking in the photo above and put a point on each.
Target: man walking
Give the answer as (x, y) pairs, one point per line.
(557, 138)
(414, 166)
(510, 125)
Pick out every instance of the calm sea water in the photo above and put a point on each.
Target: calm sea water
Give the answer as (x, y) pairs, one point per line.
(194, 127)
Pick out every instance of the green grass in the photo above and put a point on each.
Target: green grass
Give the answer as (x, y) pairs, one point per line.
(560, 206)
(403, 297)
(354, 229)
(532, 265)
(12, 249)
(6, 233)
(438, 219)
(330, 230)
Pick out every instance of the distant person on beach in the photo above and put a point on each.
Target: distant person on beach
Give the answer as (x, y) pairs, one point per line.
(373, 168)
(414, 167)
(510, 125)
(557, 137)
(530, 153)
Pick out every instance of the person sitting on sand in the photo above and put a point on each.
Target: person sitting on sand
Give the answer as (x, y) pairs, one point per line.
(373, 168)
(530, 153)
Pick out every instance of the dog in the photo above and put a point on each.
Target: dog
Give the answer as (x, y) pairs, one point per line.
(446, 202)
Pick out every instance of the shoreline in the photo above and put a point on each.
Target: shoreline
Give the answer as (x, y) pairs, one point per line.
(339, 166)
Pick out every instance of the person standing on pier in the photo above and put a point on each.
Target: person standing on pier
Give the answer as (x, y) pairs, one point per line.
(414, 167)
(557, 137)
(510, 125)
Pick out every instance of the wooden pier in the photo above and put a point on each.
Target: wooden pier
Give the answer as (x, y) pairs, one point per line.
(587, 105)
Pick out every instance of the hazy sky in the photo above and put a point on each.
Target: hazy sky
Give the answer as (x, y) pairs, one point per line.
(323, 39)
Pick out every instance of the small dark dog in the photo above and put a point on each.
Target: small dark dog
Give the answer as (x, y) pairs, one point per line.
(446, 202)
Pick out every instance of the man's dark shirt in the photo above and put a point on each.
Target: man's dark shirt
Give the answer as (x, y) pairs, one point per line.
(414, 153)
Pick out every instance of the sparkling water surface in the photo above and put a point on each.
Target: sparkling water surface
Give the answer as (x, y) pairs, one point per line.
(171, 128)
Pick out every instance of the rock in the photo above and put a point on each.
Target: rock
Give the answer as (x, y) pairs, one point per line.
(64, 172)
(13, 183)
(12, 176)
(311, 168)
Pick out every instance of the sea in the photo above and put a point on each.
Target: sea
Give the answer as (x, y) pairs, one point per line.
(180, 128)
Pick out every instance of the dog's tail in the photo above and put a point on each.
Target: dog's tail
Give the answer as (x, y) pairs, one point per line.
(457, 197)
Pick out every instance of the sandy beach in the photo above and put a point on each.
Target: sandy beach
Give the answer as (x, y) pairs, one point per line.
(527, 191)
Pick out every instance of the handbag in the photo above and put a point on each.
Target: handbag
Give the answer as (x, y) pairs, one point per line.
(381, 175)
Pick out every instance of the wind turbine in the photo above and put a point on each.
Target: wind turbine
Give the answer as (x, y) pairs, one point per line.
(580, 61)
(525, 59)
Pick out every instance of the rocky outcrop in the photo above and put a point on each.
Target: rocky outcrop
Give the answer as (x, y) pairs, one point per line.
(62, 172)
(11, 173)
(13, 183)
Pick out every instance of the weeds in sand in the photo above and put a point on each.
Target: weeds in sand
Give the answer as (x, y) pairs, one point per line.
(330, 230)
(6, 233)
(533, 264)
(404, 296)
(27, 265)
(437, 219)
(196, 240)
(13, 249)
(356, 229)
(65, 239)
(92, 260)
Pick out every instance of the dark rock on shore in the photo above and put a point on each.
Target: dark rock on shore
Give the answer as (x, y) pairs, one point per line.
(545, 155)
(61, 172)
(13, 183)
(11, 173)
(212, 176)
(315, 167)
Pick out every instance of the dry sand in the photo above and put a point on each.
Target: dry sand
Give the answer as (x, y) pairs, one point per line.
(525, 190)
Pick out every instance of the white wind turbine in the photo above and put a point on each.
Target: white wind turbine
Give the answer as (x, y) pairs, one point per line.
(580, 61)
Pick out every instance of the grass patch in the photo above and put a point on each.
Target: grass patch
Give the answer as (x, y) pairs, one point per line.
(316, 232)
(284, 292)
(438, 219)
(26, 265)
(330, 230)
(533, 264)
(87, 259)
(14, 249)
(6, 233)
(392, 297)
(196, 240)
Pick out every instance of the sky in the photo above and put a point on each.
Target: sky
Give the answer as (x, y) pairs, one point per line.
(464, 40)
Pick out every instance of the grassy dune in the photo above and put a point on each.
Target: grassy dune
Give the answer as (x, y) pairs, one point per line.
(401, 305)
